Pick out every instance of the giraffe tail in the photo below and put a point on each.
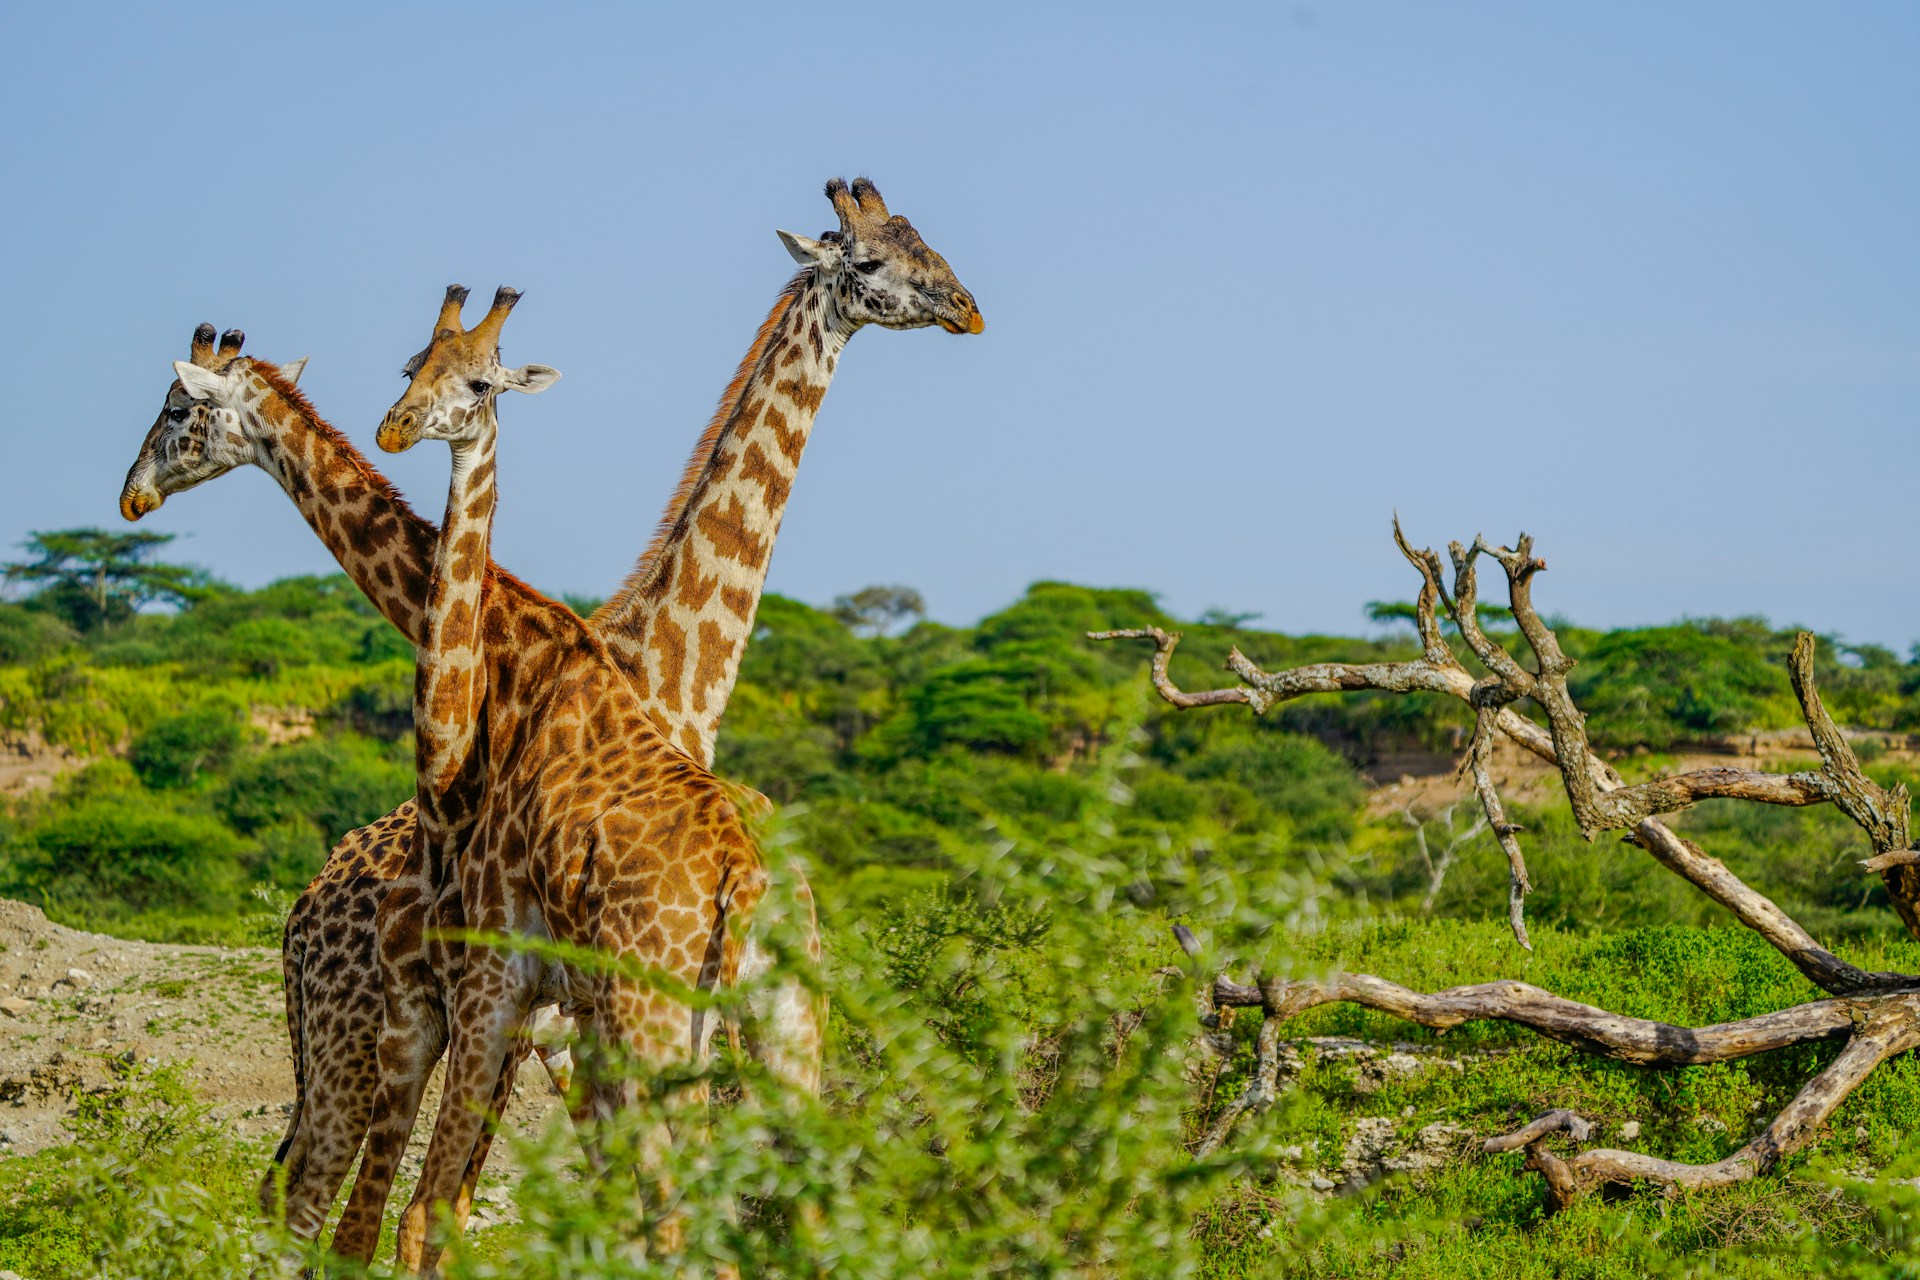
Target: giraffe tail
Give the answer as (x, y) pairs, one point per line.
(293, 954)
(745, 886)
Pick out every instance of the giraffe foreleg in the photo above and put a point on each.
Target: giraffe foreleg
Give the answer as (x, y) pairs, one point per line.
(477, 1163)
(653, 1033)
(495, 995)
(786, 1018)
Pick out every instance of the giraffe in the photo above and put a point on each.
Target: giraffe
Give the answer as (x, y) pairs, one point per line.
(451, 670)
(248, 411)
(593, 830)
(885, 274)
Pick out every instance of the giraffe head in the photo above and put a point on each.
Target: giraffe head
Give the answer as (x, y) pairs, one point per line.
(880, 270)
(200, 432)
(452, 384)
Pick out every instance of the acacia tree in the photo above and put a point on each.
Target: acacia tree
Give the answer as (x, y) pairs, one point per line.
(877, 610)
(1876, 1014)
(92, 577)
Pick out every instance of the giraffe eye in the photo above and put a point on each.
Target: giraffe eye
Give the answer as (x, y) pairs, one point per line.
(479, 388)
(176, 415)
(867, 268)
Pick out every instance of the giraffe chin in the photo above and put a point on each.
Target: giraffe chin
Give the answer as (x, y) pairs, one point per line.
(974, 323)
(134, 505)
(393, 440)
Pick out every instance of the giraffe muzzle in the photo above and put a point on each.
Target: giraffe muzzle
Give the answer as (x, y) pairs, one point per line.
(967, 321)
(399, 431)
(136, 502)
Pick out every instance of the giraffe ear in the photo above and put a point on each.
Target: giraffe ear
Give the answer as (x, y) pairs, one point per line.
(531, 378)
(201, 384)
(292, 370)
(807, 251)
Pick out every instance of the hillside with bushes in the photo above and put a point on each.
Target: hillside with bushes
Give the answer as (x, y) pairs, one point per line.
(223, 746)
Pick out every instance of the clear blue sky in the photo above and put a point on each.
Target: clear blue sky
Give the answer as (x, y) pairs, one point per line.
(1640, 279)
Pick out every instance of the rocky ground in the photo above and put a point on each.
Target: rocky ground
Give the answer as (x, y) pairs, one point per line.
(71, 1002)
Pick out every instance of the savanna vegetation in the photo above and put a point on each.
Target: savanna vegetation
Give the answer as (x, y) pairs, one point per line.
(1001, 822)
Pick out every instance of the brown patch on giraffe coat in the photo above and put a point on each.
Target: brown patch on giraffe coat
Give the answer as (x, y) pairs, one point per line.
(716, 654)
(695, 588)
(740, 601)
(792, 443)
(671, 642)
(726, 528)
(805, 395)
(457, 619)
(755, 465)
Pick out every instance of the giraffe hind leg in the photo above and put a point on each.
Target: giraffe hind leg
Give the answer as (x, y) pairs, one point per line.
(407, 1053)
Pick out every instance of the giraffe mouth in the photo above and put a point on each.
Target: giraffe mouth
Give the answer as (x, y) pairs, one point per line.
(972, 322)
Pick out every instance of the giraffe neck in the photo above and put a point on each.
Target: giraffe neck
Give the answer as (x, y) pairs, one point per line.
(450, 674)
(378, 539)
(680, 624)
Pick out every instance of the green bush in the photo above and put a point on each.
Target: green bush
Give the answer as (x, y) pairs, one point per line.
(28, 634)
(124, 851)
(1659, 686)
(335, 783)
(174, 752)
(149, 1187)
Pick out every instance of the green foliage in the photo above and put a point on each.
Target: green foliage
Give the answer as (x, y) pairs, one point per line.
(125, 851)
(149, 1188)
(333, 783)
(28, 635)
(174, 752)
(877, 610)
(1663, 685)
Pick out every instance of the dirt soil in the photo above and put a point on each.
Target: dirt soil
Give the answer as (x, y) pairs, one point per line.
(71, 1002)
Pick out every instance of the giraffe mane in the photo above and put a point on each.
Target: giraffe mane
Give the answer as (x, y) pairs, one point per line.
(334, 436)
(646, 570)
(371, 474)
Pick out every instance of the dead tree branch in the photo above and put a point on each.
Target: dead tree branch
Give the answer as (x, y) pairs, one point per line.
(1887, 1030)
(1877, 1014)
(1590, 1030)
(1437, 868)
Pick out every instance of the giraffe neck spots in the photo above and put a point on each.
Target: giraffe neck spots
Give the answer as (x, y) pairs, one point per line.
(450, 675)
(713, 584)
(380, 543)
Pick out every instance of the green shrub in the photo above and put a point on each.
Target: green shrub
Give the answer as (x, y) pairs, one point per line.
(1658, 686)
(175, 751)
(335, 783)
(125, 851)
(28, 634)
(150, 1187)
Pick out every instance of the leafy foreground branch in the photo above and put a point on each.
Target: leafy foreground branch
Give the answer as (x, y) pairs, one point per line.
(1877, 1014)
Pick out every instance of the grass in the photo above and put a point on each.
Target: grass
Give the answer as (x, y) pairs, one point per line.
(148, 1172)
